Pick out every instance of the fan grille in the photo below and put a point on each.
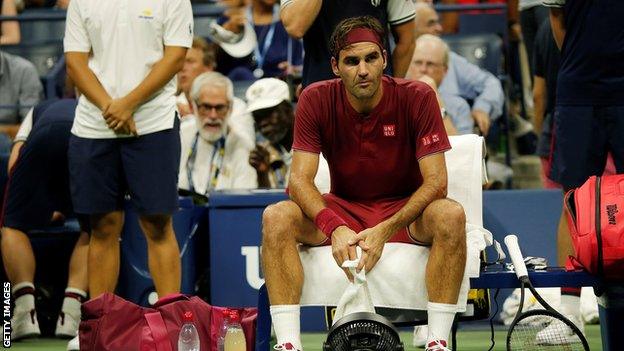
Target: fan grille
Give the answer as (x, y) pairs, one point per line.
(363, 335)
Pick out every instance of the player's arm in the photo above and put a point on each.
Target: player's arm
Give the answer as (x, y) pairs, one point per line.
(557, 24)
(539, 102)
(303, 191)
(119, 112)
(405, 43)
(85, 80)
(295, 23)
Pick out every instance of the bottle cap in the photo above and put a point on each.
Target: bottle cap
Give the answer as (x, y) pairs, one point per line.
(234, 315)
(188, 316)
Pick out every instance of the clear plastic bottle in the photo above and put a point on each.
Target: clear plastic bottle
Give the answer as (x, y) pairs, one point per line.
(235, 337)
(188, 339)
(223, 329)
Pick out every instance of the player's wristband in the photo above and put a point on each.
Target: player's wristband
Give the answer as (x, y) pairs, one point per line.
(327, 221)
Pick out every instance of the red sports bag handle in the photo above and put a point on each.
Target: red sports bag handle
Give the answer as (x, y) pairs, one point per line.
(156, 325)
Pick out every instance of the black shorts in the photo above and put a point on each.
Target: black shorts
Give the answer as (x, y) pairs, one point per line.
(583, 136)
(38, 184)
(103, 171)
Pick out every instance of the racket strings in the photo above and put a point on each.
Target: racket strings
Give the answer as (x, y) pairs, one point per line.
(543, 332)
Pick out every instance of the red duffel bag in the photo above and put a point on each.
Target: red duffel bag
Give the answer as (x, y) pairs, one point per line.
(110, 323)
(596, 221)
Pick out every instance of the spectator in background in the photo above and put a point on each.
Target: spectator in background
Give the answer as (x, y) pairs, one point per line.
(38, 186)
(532, 15)
(463, 78)
(589, 109)
(214, 155)
(275, 53)
(321, 17)
(431, 59)
(269, 102)
(20, 90)
(200, 58)
(9, 30)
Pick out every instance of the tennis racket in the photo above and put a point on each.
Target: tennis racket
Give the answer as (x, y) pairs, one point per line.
(541, 328)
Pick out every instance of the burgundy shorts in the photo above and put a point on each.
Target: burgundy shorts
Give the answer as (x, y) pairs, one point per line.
(367, 214)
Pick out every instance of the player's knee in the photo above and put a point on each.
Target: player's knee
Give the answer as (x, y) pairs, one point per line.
(449, 216)
(155, 227)
(106, 225)
(276, 219)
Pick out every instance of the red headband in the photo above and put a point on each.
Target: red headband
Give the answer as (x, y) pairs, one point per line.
(359, 35)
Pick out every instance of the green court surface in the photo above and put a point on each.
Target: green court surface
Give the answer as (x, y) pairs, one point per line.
(467, 340)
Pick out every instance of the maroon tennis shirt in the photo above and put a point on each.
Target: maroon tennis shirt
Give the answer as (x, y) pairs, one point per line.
(373, 156)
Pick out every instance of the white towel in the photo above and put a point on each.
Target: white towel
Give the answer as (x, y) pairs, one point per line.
(398, 279)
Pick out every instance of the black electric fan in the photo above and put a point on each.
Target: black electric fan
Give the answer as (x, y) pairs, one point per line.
(363, 331)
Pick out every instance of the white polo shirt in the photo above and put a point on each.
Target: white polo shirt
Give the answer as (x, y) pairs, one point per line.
(126, 38)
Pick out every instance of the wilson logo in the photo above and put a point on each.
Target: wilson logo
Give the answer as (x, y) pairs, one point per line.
(611, 211)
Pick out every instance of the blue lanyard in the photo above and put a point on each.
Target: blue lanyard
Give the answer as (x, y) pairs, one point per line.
(216, 162)
(268, 39)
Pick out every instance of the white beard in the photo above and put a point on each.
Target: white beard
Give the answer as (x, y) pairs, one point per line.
(209, 135)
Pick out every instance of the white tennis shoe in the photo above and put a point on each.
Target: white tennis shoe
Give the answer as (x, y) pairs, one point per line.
(437, 345)
(421, 332)
(558, 333)
(24, 324)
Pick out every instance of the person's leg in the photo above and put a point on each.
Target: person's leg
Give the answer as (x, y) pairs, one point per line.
(442, 224)
(103, 261)
(284, 226)
(162, 252)
(76, 291)
(19, 264)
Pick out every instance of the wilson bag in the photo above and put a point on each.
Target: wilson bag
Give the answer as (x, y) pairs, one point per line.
(596, 221)
(111, 323)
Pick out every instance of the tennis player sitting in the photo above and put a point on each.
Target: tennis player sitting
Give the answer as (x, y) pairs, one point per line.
(384, 141)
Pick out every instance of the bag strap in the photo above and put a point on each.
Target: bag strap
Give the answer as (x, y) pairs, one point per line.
(157, 326)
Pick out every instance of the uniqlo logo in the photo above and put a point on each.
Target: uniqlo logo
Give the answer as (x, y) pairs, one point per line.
(388, 130)
(426, 140)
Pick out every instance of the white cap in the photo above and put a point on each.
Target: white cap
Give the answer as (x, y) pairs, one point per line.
(265, 93)
(233, 44)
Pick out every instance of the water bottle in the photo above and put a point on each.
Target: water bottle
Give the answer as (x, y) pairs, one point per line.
(188, 339)
(223, 329)
(235, 337)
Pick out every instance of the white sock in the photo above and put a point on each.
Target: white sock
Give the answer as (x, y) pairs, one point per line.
(286, 324)
(440, 320)
(25, 302)
(571, 305)
(71, 305)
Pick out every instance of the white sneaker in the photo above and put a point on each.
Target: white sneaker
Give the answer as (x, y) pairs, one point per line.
(558, 333)
(420, 336)
(285, 346)
(74, 344)
(24, 325)
(67, 325)
(437, 345)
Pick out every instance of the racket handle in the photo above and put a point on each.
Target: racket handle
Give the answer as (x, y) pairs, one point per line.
(511, 241)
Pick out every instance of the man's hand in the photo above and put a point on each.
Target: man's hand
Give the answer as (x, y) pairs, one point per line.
(482, 120)
(236, 19)
(259, 159)
(118, 116)
(371, 241)
(344, 241)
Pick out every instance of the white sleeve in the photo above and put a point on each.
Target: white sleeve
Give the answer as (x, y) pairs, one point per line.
(178, 23)
(400, 11)
(554, 3)
(25, 127)
(76, 37)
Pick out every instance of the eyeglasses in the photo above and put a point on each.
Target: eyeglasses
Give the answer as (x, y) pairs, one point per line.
(427, 64)
(220, 108)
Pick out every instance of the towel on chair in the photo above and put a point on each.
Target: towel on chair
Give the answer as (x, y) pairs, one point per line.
(398, 279)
